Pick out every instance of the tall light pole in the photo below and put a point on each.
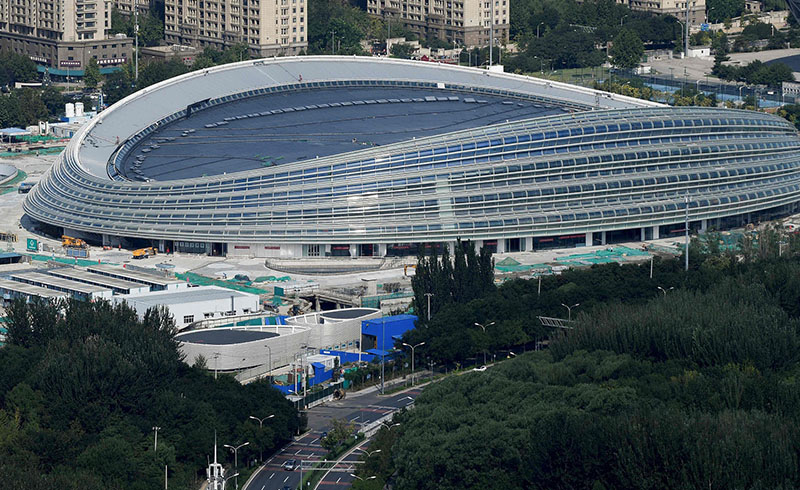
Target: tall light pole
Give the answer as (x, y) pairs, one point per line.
(383, 353)
(537, 29)
(665, 290)
(155, 437)
(569, 310)
(483, 327)
(686, 201)
(136, 37)
(686, 41)
(235, 450)
(261, 426)
(428, 295)
(270, 362)
(491, 33)
(413, 347)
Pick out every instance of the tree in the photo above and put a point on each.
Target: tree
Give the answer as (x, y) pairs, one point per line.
(627, 50)
(118, 84)
(16, 68)
(340, 431)
(402, 50)
(720, 10)
(91, 76)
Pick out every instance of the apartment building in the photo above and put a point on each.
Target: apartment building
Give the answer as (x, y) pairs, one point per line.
(676, 8)
(62, 34)
(464, 22)
(268, 27)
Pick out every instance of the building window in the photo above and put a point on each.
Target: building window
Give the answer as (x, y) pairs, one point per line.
(188, 319)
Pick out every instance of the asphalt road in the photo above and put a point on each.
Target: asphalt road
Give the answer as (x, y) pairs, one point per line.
(357, 408)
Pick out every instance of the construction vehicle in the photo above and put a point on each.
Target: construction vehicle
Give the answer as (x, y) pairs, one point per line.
(143, 253)
(71, 242)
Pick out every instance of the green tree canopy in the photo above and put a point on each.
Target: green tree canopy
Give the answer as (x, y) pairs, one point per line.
(91, 75)
(627, 50)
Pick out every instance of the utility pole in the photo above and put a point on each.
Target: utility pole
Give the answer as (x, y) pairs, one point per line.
(155, 439)
(686, 252)
(383, 353)
(686, 38)
(429, 305)
(136, 37)
(491, 33)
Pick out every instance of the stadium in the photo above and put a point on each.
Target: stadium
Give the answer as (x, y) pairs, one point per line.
(349, 156)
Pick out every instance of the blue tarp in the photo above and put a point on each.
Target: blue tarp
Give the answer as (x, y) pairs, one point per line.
(392, 326)
(345, 357)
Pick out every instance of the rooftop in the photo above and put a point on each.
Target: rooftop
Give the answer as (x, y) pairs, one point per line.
(58, 282)
(21, 287)
(200, 294)
(224, 336)
(135, 276)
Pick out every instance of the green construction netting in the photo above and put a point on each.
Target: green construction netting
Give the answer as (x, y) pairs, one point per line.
(68, 260)
(508, 262)
(12, 184)
(207, 281)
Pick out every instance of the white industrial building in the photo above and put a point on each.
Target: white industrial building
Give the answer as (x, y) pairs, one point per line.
(335, 329)
(194, 304)
(237, 348)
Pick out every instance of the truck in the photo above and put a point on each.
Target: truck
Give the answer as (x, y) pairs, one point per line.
(71, 242)
(143, 253)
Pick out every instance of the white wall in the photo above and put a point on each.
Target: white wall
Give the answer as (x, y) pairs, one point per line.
(249, 354)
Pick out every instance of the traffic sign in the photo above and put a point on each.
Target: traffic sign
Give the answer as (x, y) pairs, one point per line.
(33, 245)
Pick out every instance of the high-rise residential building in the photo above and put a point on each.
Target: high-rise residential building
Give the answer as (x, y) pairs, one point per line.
(268, 27)
(62, 35)
(464, 22)
(676, 8)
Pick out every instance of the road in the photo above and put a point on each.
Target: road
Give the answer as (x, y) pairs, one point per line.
(357, 408)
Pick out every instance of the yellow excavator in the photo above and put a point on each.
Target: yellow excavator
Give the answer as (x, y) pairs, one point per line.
(68, 241)
(143, 253)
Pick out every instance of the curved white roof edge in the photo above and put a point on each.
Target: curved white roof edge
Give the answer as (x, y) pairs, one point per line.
(212, 82)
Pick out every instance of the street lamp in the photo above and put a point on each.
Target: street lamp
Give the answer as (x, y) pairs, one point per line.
(388, 425)
(229, 477)
(363, 479)
(569, 310)
(383, 353)
(368, 453)
(270, 360)
(261, 426)
(413, 347)
(235, 450)
(428, 295)
(665, 290)
(537, 29)
(155, 438)
(483, 327)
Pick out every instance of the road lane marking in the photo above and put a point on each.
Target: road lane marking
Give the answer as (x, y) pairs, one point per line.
(284, 481)
(270, 476)
(315, 440)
